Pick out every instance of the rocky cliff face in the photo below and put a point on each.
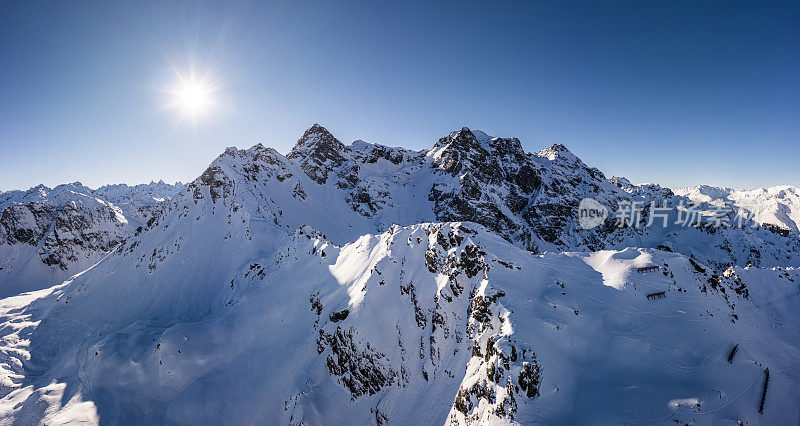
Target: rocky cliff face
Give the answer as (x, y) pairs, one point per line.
(318, 153)
(488, 181)
(62, 235)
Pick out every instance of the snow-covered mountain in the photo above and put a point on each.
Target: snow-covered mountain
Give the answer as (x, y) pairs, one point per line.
(778, 205)
(47, 234)
(530, 200)
(367, 284)
(121, 195)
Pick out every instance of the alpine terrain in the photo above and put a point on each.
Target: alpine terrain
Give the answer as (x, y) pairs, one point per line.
(361, 283)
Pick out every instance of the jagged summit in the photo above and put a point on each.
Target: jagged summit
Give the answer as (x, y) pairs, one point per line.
(648, 191)
(459, 140)
(477, 152)
(558, 151)
(314, 140)
(318, 152)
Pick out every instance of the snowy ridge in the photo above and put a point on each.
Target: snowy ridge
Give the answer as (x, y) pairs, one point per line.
(648, 191)
(119, 194)
(367, 284)
(778, 205)
(530, 200)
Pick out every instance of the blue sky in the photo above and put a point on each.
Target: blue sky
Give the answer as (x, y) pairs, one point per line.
(674, 92)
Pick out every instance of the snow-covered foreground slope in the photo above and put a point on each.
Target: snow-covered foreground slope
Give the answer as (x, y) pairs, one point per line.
(46, 234)
(424, 324)
(350, 284)
(778, 205)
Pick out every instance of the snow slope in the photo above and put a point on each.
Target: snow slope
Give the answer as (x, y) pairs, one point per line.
(428, 323)
(351, 284)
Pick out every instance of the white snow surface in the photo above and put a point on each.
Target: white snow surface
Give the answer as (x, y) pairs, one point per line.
(323, 287)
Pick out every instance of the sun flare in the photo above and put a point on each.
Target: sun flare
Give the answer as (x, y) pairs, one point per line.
(192, 97)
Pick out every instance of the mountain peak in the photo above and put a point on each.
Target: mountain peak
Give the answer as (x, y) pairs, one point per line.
(318, 152)
(620, 182)
(463, 134)
(558, 151)
(459, 140)
(315, 138)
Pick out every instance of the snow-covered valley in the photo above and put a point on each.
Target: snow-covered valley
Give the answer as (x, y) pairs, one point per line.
(353, 284)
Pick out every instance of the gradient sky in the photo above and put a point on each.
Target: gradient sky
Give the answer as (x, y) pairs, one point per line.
(674, 92)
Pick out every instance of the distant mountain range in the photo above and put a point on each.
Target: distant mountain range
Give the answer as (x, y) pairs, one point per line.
(362, 283)
(48, 234)
(778, 205)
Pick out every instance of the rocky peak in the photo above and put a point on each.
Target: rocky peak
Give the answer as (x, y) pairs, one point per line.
(560, 159)
(317, 140)
(620, 182)
(40, 190)
(463, 140)
(238, 166)
(365, 152)
(73, 187)
(650, 191)
(318, 152)
(466, 143)
(558, 151)
(458, 150)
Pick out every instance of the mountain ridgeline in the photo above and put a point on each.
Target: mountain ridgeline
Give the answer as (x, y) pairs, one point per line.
(531, 200)
(363, 284)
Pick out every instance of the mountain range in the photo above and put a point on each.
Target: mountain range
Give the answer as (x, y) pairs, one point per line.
(363, 283)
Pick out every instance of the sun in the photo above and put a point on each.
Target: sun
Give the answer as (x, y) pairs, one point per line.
(192, 96)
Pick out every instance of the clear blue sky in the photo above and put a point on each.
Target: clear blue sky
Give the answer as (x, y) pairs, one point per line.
(674, 92)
